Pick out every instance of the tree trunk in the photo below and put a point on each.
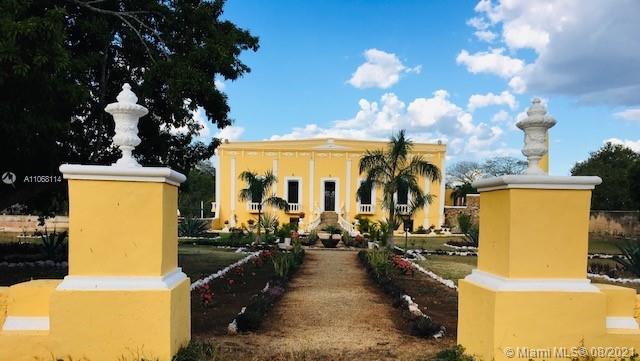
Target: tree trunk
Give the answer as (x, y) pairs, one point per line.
(392, 225)
(259, 216)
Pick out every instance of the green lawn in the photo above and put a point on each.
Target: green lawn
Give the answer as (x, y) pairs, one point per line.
(427, 243)
(450, 267)
(199, 261)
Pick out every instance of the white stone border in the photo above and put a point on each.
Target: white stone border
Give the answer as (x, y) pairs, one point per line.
(129, 174)
(499, 283)
(461, 247)
(444, 281)
(122, 283)
(26, 323)
(611, 279)
(223, 271)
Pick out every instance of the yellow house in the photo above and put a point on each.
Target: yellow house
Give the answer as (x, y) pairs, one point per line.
(315, 176)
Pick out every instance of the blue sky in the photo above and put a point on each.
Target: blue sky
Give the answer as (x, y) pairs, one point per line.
(461, 71)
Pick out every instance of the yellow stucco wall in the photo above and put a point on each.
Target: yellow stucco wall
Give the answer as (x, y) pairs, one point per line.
(312, 161)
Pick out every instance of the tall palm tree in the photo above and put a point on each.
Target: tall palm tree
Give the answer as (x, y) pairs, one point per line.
(258, 190)
(393, 169)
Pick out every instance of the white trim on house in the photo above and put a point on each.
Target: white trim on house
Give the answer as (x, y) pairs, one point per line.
(337, 198)
(26, 323)
(285, 188)
(347, 189)
(311, 182)
(626, 323)
(127, 174)
(443, 177)
(122, 283)
(499, 283)
(536, 182)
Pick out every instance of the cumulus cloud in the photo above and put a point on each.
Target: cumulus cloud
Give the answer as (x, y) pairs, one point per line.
(426, 119)
(485, 35)
(586, 49)
(381, 70)
(483, 100)
(219, 84)
(491, 62)
(632, 144)
(230, 132)
(631, 114)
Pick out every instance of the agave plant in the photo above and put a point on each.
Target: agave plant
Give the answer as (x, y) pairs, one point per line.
(630, 256)
(257, 191)
(53, 244)
(192, 227)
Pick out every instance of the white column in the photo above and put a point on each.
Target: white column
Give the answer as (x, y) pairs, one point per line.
(443, 174)
(347, 187)
(232, 194)
(427, 207)
(275, 173)
(311, 182)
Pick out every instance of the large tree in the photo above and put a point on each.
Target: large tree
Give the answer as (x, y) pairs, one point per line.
(63, 61)
(393, 169)
(614, 164)
(199, 187)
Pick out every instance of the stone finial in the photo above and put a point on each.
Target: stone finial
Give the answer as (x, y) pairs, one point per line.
(126, 113)
(535, 127)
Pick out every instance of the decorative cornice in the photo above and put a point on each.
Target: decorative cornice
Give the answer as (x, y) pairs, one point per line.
(536, 182)
(141, 174)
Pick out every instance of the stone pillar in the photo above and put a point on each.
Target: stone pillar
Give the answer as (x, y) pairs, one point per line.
(530, 290)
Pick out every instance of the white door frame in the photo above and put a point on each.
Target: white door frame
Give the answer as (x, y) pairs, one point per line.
(285, 188)
(337, 200)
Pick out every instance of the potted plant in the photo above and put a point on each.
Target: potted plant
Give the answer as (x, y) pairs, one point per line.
(334, 236)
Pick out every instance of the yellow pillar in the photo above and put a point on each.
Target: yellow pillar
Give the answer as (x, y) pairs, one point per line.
(124, 298)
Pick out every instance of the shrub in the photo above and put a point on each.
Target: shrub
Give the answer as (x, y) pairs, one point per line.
(380, 263)
(285, 230)
(630, 258)
(474, 235)
(405, 267)
(420, 230)
(464, 222)
(425, 327)
(346, 239)
(268, 222)
(192, 227)
(196, 351)
(332, 230)
(363, 224)
(53, 244)
(311, 238)
(455, 353)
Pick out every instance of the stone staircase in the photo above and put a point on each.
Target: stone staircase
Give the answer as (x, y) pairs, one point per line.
(328, 219)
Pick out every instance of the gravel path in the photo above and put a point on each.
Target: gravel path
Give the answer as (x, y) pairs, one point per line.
(331, 308)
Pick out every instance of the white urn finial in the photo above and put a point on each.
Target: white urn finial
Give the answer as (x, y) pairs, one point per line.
(535, 127)
(126, 113)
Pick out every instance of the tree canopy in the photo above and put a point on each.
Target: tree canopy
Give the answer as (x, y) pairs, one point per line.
(199, 187)
(617, 165)
(63, 61)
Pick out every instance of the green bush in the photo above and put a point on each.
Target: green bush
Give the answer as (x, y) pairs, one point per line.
(193, 227)
(332, 230)
(285, 230)
(346, 239)
(363, 224)
(380, 263)
(197, 351)
(465, 222)
(455, 353)
(474, 235)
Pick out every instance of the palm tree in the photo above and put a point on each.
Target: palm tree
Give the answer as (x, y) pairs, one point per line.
(258, 188)
(394, 169)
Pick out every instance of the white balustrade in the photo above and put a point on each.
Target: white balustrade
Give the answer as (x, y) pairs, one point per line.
(294, 208)
(365, 208)
(253, 207)
(402, 208)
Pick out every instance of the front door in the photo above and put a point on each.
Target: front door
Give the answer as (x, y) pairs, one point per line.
(330, 196)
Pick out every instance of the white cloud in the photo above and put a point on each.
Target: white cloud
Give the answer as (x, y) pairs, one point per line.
(632, 114)
(219, 84)
(485, 35)
(426, 119)
(230, 132)
(632, 144)
(491, 62)
(480, 101)
(588, 49)
(381, 70)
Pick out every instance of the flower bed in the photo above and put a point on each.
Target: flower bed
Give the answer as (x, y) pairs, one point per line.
(285, 265)
(385, 269)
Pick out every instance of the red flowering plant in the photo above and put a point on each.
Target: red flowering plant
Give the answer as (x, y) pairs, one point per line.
(206, 295)
(404, 266)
